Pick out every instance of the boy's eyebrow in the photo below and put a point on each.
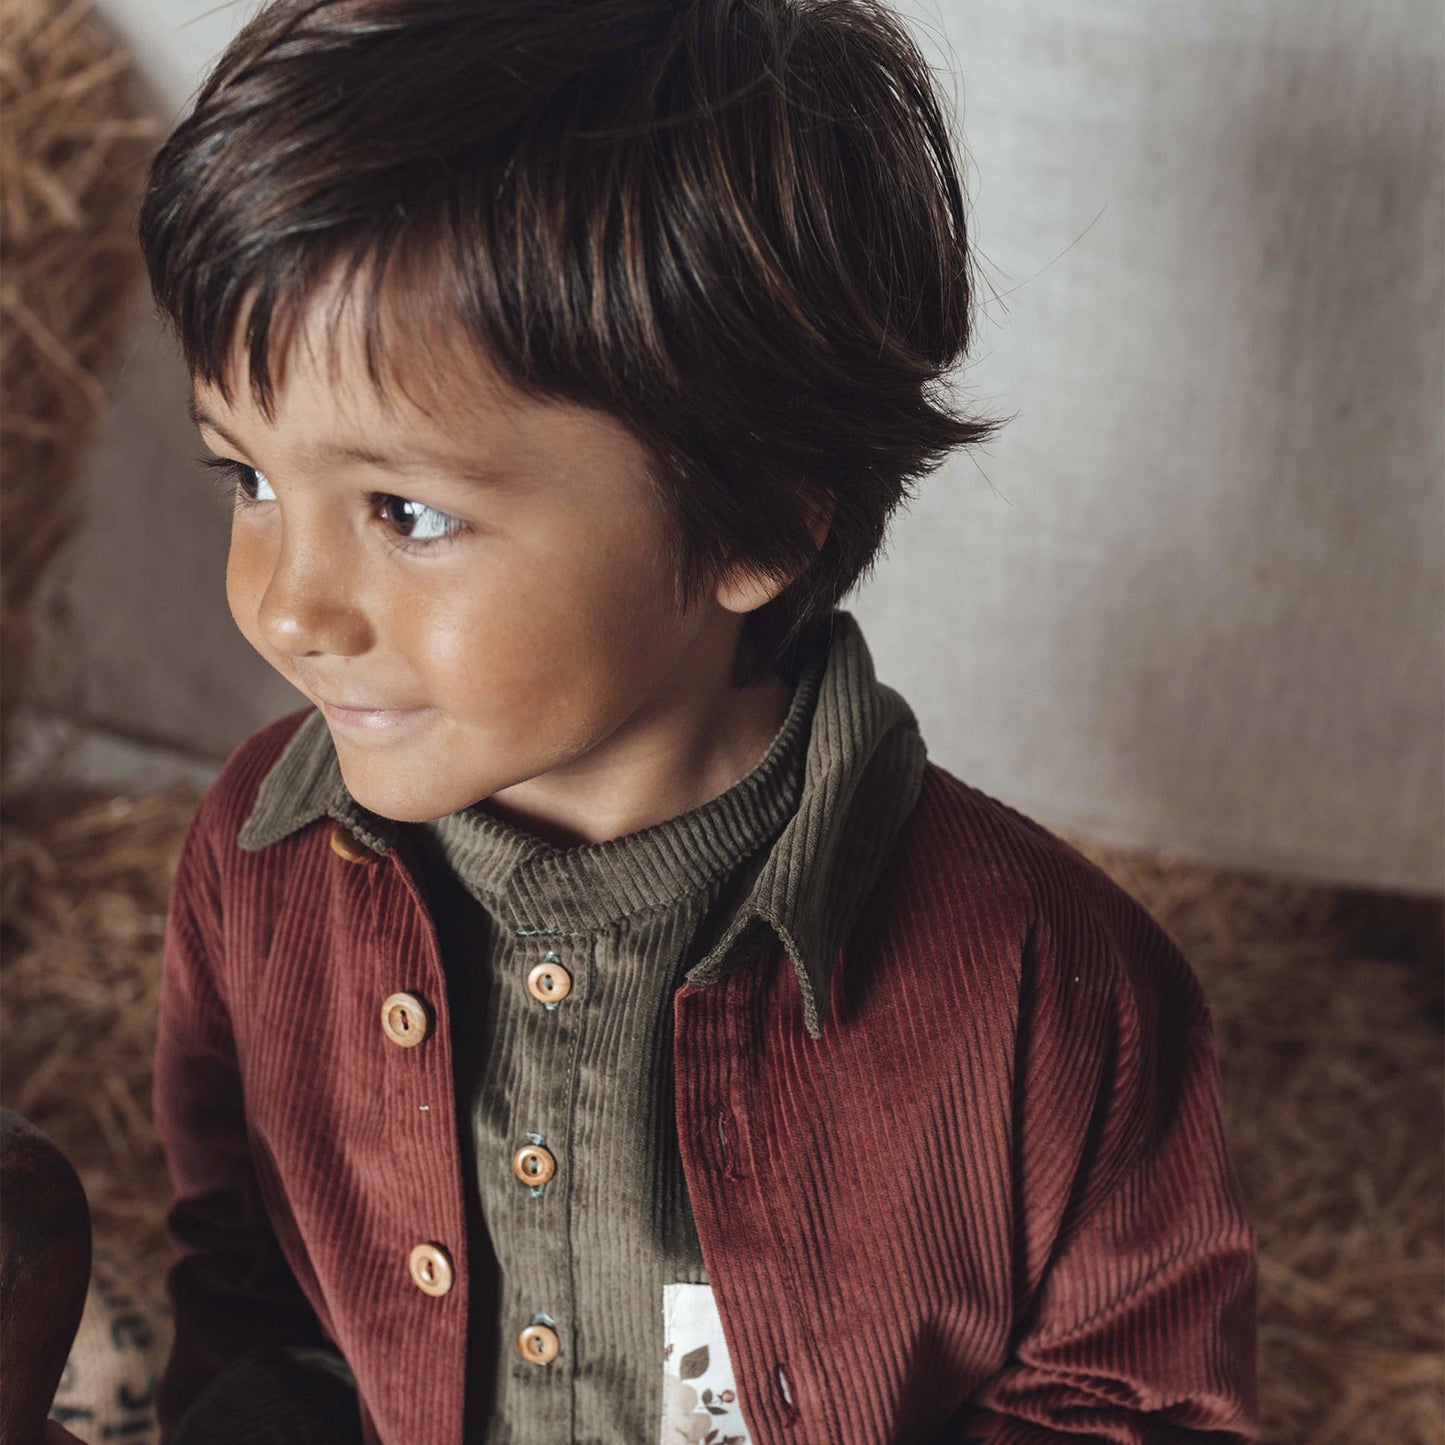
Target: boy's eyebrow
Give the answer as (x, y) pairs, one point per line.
(202, 418)
(362, 456)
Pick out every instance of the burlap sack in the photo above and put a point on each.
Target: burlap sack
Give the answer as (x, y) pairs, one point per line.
(108, 1390)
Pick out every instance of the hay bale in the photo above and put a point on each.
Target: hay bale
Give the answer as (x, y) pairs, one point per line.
(74, 138)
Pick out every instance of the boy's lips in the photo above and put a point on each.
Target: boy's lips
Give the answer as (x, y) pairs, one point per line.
(371, 717)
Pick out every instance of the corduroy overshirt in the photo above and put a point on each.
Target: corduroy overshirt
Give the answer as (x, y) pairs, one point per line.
(946, 1104)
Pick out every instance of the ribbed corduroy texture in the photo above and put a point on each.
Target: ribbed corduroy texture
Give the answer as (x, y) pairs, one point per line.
(974, 1185)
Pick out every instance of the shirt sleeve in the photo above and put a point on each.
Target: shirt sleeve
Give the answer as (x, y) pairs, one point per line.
(231, 1288)
(1135, 1262)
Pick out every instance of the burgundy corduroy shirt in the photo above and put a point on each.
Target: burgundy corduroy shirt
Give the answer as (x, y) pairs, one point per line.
(960, 1178)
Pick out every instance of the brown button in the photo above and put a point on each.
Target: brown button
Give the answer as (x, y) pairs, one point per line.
(533, 1164)
(431, 1269)
(549, 982)
(352, 849)
(538, 1344)
(403, 1019)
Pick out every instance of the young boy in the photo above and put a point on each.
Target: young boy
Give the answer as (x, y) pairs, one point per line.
(592, 1018)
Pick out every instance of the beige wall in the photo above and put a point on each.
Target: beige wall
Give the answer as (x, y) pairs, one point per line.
(1195, 596)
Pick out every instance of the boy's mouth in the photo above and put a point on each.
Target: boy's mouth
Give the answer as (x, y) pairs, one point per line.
(372, 718)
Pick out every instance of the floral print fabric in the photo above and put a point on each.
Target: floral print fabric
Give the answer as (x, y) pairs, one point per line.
(699, 1403)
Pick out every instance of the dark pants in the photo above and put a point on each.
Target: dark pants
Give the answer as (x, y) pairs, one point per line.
(276, 1396)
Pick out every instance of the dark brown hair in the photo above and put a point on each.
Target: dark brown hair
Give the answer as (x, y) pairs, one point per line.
(736, 226)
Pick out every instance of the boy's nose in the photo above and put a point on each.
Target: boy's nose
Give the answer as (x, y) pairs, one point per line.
(308, 607)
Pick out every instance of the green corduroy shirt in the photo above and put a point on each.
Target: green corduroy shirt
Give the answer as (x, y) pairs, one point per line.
(584, 1087)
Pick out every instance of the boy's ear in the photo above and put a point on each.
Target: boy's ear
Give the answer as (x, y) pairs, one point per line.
(741, 590)
(819, 506)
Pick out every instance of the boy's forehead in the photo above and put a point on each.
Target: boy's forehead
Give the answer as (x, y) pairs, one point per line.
(426, 385)
(327, 356)
(441, 399)
(346, 420)
(441, 402)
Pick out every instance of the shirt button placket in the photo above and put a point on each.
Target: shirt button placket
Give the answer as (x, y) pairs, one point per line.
(541, 1328)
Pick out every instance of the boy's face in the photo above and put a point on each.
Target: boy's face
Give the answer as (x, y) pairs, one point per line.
(537, 636)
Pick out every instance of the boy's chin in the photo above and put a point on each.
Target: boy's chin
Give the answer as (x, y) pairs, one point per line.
(389, 792)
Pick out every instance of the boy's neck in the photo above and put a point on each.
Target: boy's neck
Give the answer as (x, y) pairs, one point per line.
(672, 757)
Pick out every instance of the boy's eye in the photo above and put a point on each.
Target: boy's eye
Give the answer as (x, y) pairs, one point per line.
(413, 524)
(242, 482)
(417, 522)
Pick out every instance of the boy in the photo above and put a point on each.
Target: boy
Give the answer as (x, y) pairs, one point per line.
(592, 1018)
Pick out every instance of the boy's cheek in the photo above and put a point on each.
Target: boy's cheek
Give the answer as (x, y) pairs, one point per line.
(244, 587)
(240, 593)
(246, 575)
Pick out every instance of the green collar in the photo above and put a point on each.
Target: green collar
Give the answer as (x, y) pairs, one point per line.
(862, 775)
